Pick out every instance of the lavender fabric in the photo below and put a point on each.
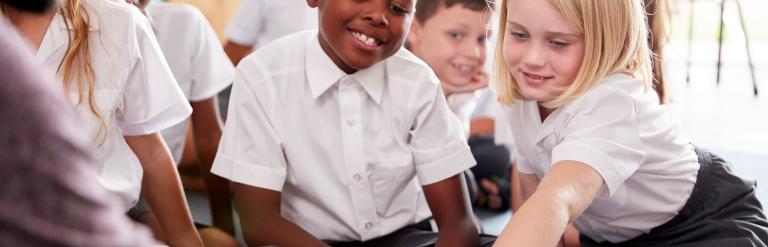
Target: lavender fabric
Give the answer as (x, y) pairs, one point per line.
(49, 193)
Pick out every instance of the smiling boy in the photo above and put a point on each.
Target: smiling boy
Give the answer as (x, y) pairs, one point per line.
(342, 137)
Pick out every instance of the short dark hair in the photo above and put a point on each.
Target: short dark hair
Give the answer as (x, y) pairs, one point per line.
(425, 9)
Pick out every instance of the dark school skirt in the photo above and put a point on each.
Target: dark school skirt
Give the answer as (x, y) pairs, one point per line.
(416, 235)
(722, 211)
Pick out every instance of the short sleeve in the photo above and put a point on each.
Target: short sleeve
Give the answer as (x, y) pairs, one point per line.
(438, 141)
(211, 70)
(602, 132)
(152, 100)
(250, 151)
(248, 22)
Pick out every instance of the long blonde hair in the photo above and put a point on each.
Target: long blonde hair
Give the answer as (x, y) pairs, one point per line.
(615, 38)
(75, 70)
(658, 21)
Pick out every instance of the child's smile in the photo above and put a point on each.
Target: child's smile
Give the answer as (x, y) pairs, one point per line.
(358, 34)
(368, 41)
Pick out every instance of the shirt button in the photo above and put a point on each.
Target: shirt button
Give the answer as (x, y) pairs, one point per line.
(347, 82)
(351, 122)
(357, 177)
(368, 226)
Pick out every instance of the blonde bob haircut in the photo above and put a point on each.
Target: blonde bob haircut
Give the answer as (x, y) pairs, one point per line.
(616, 41)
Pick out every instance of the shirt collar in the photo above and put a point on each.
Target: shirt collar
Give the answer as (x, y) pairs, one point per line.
(322, 73)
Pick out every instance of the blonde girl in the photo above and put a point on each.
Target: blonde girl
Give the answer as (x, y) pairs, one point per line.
(109, 64)
(595, 147)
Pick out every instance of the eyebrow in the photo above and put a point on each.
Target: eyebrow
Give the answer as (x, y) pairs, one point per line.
(551, 33)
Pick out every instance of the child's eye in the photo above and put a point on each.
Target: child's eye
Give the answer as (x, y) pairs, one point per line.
(519, 35)
(559, 44)
(398, 10)
(456, 36)
(481, 39)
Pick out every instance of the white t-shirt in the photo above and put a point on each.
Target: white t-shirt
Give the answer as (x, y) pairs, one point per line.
(619, 129)
(259, 22)
(135, 92)
(196, 58)
(348, 152)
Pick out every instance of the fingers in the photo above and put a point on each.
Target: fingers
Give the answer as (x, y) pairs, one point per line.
(489, 186)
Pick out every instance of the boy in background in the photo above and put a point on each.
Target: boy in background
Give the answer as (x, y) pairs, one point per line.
(451, 36)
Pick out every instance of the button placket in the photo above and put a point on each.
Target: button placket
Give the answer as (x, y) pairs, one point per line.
(350, 106)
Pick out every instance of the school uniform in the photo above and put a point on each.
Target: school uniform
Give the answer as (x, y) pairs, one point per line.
(348, 152)
(650, 171)
(259, 22)
(195, 56)
(134, 89)
(50, 194)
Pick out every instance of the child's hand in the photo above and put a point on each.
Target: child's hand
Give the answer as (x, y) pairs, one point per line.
(478, 81)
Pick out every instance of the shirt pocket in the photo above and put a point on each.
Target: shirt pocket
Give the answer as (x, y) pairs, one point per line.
(391, 186)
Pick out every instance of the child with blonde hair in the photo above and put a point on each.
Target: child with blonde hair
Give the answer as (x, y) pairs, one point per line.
(595, 147)
(109, 64)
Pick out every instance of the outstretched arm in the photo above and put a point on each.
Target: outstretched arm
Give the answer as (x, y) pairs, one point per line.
(449, 202)
(563, 194)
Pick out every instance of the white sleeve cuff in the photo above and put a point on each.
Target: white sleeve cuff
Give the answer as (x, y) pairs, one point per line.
(454, 163)
(249, 174)
(608, 168)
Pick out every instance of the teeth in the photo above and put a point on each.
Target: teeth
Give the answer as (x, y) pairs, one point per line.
(465, 68)
(536, 77)
(365, 39)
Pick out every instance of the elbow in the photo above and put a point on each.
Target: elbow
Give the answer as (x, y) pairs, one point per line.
(258, 230)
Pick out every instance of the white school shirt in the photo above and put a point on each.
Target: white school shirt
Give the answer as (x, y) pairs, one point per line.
(259, 22)
(196, 58)
(488, 106)
(462, 105)
(134, 89)
(619, 129)
(348, 152)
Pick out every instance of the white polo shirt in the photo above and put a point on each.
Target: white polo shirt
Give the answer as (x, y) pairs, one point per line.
(135, 92)
(619, 129)
(259, 22)
(348, 152)
(196, 58)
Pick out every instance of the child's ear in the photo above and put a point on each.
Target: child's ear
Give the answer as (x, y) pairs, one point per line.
(414, 32)
(313, 3)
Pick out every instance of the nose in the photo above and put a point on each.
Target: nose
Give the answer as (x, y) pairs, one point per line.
(471, 49)
(534, 56)
(377, 16)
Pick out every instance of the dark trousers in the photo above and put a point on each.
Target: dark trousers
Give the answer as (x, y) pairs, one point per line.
(722, 211)
(416, 235)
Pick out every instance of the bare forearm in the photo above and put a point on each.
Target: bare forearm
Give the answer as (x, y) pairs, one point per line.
(460, 233)
(219, 196)
(162, 189)
(567, 189)
(449, 202)
(280, 232)
(206, 125)
(539, 222)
